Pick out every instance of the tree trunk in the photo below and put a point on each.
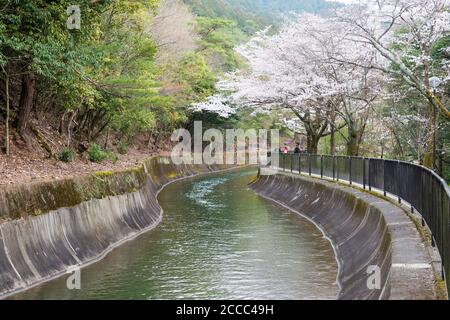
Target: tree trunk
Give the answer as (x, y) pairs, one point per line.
(429, 156)
(440, 162)
(7, 118)
(107, 139)
(26, 102)
(42, 141)
(69, 128)
(62, 123)
(333, 131)
(312, 144)
(399, 144)
(353, 143)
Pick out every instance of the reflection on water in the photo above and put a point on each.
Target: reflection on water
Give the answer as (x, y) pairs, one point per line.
(201, 193)
(218, 240)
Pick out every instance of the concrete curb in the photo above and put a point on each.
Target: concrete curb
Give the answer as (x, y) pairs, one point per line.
(40, 248)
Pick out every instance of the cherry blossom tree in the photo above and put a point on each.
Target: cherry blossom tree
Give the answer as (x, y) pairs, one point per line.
(360, 87)
(218, 104)
(405, 33)
(305, 69)
(281, 77)
(334, 72)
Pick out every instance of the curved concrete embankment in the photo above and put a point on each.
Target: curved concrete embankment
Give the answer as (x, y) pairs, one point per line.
(50, 227)
(365, 231)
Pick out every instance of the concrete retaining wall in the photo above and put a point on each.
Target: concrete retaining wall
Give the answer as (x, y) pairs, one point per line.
(50, 227)
(364, 230)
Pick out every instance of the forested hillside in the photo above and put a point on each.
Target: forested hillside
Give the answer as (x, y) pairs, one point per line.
(123, 79)
(271, 8)
(89, 93)
(252, 15)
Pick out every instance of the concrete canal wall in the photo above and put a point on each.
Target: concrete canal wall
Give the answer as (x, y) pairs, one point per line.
(367, 233)
(47, 228)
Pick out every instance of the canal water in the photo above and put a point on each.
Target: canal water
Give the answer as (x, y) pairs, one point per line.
(218, 240)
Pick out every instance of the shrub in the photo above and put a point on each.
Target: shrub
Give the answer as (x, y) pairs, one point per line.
(114, 158)
(66, 155)
(122, 148)
(97, 154)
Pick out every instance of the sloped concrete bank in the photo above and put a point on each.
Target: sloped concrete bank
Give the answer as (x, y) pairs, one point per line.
(48, 228)
(368, 234)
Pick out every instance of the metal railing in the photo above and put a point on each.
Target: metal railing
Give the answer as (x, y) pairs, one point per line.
(421, 188)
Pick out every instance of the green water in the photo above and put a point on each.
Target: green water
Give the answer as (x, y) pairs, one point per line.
(218, 240)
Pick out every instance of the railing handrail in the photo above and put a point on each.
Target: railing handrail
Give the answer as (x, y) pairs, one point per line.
(425, 196)
(443, 182)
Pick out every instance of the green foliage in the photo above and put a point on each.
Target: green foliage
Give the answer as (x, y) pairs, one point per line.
(130, 73)
(195, 73)
(439, 51)
(129, 120)
(34, 37)
(97, 154)
(248, 22)
(104, 70)
(412, 130)
(252, 15)
(219, 37)
(271, 9)
(188, 81)
(211, 120)
(66, 155)
(114, 158)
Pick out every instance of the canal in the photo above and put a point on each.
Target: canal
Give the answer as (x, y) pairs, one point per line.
(218, 240)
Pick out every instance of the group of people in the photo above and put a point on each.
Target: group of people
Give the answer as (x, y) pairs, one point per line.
(297, 149)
